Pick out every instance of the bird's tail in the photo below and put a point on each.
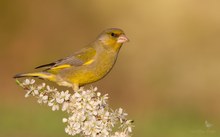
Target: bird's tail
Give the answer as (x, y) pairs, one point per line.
(43, 75)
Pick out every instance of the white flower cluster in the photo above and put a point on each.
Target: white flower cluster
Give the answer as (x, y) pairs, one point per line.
(88, 110)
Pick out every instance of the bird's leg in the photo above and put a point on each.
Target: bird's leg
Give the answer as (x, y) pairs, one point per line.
(75, 86)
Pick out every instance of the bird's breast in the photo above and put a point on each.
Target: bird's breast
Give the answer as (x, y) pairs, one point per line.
(104, 64)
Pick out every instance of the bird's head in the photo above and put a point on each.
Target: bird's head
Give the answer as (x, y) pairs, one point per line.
(112, 38)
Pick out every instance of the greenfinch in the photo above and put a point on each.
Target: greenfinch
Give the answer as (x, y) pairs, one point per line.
(86, 66)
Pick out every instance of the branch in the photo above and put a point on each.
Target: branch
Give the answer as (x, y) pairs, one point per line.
(88, 111)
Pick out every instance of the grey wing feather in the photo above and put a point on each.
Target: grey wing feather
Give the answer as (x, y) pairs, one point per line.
(71, 60)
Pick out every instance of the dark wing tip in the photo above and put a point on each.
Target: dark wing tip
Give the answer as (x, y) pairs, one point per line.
(17, 76)
(46, 65)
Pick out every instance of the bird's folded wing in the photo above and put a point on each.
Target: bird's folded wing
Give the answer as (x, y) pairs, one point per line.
(83, 57)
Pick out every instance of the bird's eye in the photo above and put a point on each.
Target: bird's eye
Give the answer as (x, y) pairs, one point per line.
(113, 35)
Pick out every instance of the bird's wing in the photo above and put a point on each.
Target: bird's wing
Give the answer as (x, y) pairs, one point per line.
(83, 57)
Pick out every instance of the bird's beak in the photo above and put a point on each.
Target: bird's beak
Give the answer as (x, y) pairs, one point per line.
(122, 39)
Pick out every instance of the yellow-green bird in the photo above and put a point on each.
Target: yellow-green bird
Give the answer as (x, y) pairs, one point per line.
(86, 66)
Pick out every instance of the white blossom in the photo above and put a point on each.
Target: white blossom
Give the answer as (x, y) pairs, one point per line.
(65, 106)
(88, 110)
(42, 98)
(27, 82)
(65, 120)
(53, 104)
(62, 96)
(40, 87)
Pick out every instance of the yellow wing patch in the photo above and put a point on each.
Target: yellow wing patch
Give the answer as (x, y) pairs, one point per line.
(89, 62)
(61, 66)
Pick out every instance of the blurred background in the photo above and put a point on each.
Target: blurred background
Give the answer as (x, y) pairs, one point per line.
(167, 77)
